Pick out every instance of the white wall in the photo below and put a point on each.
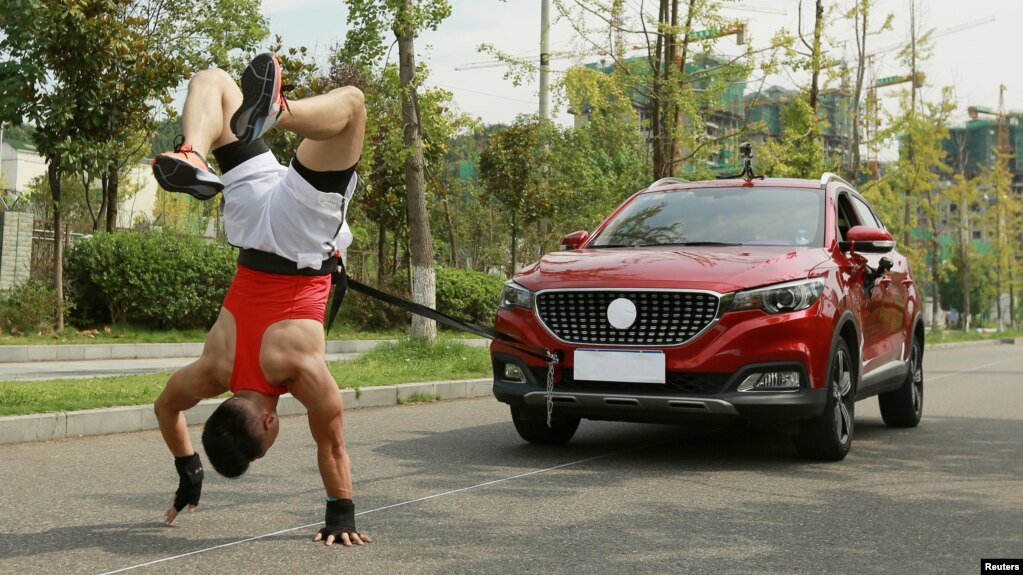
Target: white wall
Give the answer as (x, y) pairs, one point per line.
(19, 167)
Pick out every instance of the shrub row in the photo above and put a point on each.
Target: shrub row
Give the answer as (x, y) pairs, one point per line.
(464, 294)
(152, 279)
(161, 280)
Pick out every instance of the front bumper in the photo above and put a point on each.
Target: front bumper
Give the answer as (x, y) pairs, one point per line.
(711, 396)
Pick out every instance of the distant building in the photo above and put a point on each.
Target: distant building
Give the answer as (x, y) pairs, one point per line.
(833, 106)
(735, 109)
(20, 164)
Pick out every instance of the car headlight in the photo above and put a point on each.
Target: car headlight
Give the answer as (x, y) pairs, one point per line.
(780, 298)
(515, 295)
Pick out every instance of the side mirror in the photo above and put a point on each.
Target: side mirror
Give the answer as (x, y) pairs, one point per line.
(575, 239)
(867, 239)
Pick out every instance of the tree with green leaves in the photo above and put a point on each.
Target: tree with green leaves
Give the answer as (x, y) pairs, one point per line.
(86, 73)
(512, 172)
(1002, 219)
(860, 14)
(364, 44)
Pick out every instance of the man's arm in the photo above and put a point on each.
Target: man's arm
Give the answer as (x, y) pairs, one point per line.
(201, 379)
(293, 351)
(326, 420)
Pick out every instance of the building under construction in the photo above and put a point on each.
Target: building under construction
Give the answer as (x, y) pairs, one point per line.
(833, 107)
(972, 148)
(733, 110)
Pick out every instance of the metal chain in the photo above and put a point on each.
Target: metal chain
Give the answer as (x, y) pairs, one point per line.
(552, 360)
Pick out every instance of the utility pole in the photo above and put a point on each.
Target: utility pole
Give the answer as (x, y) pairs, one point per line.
(545, 57)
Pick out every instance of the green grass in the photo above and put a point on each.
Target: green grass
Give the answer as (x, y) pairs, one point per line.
(411, 361)
(408, 361)
(130, 334)
(953, 336)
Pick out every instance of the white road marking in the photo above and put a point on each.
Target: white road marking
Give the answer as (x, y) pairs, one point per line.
(384, 508)
(962, 371)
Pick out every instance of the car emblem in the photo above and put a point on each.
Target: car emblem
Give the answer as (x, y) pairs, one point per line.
(621, 314)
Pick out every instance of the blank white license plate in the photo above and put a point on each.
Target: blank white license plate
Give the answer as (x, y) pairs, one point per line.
(626, 365)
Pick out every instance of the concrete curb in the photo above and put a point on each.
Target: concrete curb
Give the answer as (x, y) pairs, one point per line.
(49, 426)
(100, 351)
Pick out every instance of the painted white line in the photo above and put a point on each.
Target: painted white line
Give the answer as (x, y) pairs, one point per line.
(384, 508)
(962, 371)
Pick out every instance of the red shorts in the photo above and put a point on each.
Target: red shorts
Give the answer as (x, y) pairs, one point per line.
(258, 299)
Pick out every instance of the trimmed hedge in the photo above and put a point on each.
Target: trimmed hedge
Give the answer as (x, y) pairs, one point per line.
(464, 294)
(162, 280)
(468, 294)
(153, 279)
(28, 307)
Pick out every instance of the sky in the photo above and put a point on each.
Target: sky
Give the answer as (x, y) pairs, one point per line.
(975, 47)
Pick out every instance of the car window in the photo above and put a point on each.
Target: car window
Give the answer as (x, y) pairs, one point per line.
(865, 216)
(846, 217)
(746, 215)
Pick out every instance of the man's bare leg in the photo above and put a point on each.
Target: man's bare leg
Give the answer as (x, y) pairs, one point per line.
(212, 97)
(333, 126)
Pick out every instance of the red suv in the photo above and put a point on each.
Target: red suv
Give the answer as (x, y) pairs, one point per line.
(781, 300)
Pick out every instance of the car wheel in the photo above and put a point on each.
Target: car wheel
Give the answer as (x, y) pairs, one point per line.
(828, 436)
(904, 406)
(532, 426)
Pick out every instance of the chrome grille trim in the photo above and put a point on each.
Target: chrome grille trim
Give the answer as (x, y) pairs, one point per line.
(665, 317)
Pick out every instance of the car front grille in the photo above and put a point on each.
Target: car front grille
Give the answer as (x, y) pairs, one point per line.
(676, 383)
(662, 317)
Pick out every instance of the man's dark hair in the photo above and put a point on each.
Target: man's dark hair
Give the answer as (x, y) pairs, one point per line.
(228, 438)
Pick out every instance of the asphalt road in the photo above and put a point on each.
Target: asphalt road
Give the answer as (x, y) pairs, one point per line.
(449, 488)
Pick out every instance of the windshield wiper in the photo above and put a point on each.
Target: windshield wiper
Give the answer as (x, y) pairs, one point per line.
(691, 244)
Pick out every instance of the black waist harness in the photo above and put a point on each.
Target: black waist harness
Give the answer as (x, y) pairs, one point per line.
(275, 264)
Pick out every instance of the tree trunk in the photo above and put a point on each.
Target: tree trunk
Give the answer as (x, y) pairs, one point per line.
(381, 256)
(111, 193)
(424, 280)
(964, 255)
(907, 213)
(58, 241)
(815, 56)
(862, 19)
(514, 238)
(936, 282)
(453, 260)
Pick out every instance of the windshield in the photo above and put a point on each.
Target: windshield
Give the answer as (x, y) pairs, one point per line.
(731, 216)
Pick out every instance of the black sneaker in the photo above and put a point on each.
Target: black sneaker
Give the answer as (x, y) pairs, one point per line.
(263, 99)
(184, 170)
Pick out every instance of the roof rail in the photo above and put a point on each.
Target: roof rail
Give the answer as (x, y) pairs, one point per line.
(668, 181)
(829, 177)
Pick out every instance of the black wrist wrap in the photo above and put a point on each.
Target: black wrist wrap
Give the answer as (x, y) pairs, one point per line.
(190, 476)
(340, 516)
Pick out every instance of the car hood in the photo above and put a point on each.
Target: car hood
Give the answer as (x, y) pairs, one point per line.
(722, 269)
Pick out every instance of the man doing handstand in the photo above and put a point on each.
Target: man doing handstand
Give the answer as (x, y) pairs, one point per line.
(289, 223)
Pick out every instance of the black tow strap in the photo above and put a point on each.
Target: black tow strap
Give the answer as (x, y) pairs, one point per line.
(342, 282)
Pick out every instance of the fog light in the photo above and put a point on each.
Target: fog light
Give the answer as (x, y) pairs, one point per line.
(513, 373)
(771, 381)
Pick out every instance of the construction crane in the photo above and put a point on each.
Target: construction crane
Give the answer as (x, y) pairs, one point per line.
(1002, 120)
(738, 30)
(874, 121)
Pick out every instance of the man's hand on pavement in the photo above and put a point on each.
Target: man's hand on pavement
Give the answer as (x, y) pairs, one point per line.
(190, 476)
(340, 525)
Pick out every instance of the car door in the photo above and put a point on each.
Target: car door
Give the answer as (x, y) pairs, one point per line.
(888, 293)
(865, 304)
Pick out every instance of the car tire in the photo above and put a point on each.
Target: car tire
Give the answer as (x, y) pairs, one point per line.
(532, 426)
(828, 436)
(904, 406)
